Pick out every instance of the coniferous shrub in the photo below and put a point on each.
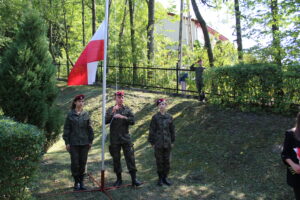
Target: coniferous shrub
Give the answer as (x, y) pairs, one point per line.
(21, 147)
(27, 79)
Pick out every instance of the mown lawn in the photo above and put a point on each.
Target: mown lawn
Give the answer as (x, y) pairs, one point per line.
(219, 153)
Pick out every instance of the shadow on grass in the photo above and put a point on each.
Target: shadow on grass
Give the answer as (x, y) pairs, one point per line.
(218, 154)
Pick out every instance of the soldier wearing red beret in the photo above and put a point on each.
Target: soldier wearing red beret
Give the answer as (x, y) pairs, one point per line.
(120, 118)
(162, 137)
(78, 136)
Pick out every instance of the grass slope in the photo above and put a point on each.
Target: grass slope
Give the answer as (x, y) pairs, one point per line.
(218, 154)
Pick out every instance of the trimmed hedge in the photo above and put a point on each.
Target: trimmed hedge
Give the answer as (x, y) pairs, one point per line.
(255, 87)
(21, 148)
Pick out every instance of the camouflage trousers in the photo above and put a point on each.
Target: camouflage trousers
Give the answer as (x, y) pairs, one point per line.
(162, 156)
(128, 151)
(79, 154)
(200, 85)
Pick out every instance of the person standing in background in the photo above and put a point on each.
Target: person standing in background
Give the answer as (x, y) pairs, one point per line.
(198, 68)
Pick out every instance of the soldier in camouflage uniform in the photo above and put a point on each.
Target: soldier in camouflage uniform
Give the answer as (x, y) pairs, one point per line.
(78, 136)
(198, 68)
(162, 137)
(120, 117)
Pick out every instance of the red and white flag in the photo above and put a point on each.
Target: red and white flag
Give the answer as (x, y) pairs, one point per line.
(85, 68)
(297, 151)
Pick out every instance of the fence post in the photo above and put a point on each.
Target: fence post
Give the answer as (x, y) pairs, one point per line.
(177, 75)
(68, 68)
(58, 69)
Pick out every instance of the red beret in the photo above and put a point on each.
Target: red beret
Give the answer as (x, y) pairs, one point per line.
(79, 97)
(119, 93)
(158, 101)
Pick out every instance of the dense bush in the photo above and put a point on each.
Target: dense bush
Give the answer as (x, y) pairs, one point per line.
(27, 79)
(20, 151)
(254, 87)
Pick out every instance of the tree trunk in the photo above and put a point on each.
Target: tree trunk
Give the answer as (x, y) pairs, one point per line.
(121, 34)
(238, 30)
(275, 32)
(66, 45)
(190, 26)
(93, 17)
(205, 33)
(133, 44)
(180, 36)
(51, 35)
(150, 32)
(83, 31)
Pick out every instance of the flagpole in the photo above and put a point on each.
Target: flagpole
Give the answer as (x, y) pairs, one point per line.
(104, 92)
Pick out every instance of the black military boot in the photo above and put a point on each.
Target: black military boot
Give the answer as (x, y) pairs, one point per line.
(202, 96)
(76, 183)
(166, 181)
(119, 180)
(160, 181)
(134, 181)
(81, 184)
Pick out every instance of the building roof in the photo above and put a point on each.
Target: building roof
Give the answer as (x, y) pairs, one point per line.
(209, 29)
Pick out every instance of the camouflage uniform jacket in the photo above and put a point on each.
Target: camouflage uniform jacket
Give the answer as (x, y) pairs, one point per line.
(78, 129)
(119, 133)
(162, 130)
(199, 72)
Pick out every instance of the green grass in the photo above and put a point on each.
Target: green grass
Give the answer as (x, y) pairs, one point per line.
(218, 154)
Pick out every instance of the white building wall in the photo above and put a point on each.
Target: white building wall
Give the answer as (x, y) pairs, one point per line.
(171, 30)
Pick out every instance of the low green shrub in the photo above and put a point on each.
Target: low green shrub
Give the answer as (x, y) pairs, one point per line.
(255, 87)
(21, 147)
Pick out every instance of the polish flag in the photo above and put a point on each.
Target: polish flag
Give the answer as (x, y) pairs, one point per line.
(297, 151)
(85, 68)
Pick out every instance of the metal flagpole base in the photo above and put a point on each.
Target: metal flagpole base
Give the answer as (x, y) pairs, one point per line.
(101, 187)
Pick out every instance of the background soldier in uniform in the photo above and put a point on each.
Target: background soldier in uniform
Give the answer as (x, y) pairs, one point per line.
(78, 136)
(161, 137)
(198, 68)
(120, 117)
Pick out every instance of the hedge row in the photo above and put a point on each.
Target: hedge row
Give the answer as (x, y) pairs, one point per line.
(21, 148)
(255, 87)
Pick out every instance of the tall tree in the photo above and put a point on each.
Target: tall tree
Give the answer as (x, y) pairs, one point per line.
(93, 16)
(205, 33)
(275, 32)
(66, 45)
(274, 25)
(82, 18)
(121, 37)
(180, 36)
(51, 35)
(10, 15)
(238, 30)
(133, 42)
(189, 18)
(150, 31)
